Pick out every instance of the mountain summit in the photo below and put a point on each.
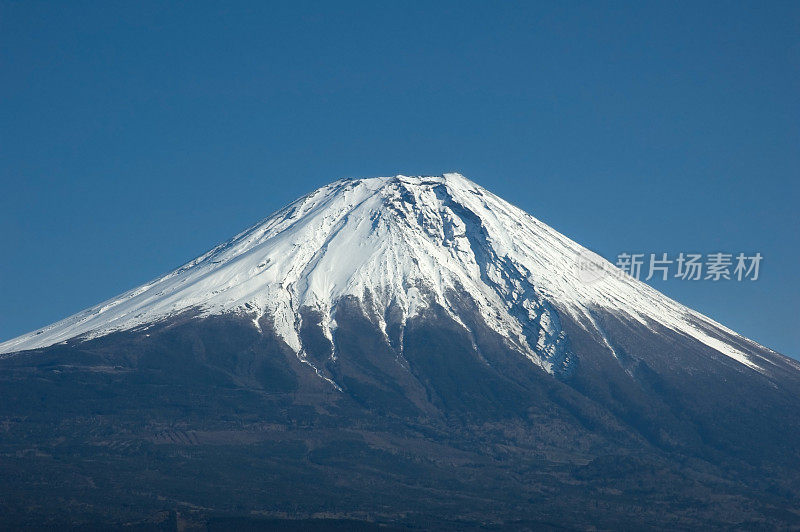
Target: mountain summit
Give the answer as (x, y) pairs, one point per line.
(399, 245)
(410, 351)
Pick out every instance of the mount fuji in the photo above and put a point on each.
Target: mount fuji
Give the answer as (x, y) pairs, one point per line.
(399, 351)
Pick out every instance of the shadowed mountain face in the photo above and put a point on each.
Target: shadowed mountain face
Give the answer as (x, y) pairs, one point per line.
(402, 351)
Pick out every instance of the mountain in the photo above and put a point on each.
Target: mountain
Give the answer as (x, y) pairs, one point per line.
(403, 351)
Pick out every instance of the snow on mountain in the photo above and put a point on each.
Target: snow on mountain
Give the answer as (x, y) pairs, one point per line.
(405, 243)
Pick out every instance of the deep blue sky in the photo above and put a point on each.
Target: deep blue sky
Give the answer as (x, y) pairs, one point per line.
(135, 136)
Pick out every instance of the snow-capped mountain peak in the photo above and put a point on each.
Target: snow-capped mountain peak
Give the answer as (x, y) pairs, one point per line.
(399, 244)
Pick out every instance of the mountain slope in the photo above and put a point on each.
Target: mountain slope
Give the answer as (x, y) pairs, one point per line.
(410, 351)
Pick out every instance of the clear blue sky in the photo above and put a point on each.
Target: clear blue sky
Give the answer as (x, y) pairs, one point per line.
(136, 135)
